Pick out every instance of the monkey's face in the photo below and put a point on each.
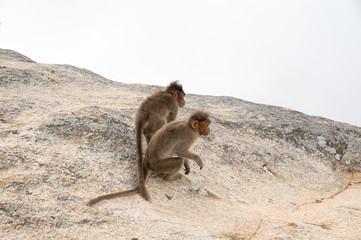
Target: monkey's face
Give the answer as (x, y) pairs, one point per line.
(179, 96)
(203, 128)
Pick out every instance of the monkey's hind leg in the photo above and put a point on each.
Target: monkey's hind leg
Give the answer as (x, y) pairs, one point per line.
(169, 166)
(148, 137)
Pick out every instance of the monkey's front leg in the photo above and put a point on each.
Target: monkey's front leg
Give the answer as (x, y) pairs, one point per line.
(187, 169)
(171, 116)
(192, 156)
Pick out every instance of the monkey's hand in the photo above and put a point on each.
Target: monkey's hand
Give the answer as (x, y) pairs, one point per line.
(187, 169)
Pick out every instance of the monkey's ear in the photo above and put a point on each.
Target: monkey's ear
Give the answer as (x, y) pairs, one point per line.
(175, 94)
(195, 124)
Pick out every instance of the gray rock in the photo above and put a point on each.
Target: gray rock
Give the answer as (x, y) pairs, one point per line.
(67, 135)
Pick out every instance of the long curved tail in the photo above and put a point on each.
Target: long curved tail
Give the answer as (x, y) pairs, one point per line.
(142, 172)
(113, 195)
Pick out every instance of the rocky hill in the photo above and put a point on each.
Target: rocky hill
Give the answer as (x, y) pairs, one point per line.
(67, 135)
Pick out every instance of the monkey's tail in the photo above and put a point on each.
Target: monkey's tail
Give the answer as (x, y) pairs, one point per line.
(141, 171)
(113, 195)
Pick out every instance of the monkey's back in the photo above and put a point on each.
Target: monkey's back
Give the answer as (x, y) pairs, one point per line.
(158, 104)
(167, 140)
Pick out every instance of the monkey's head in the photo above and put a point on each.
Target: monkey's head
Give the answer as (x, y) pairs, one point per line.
(176, 90)
(179, 96)
(200, 121)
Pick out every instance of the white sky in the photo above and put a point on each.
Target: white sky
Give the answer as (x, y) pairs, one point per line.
(300, 54)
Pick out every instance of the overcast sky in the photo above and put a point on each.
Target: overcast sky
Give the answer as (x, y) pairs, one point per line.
(300, 54)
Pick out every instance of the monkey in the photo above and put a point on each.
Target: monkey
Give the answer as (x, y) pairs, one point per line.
(166, 152)
(156, 110)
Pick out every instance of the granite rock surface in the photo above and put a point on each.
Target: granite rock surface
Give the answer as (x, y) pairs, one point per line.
(67, 135)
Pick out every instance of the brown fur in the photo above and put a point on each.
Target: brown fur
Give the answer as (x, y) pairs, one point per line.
(167, 152)
(159, 108)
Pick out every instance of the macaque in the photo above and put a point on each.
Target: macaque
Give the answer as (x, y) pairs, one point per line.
(166, 152)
